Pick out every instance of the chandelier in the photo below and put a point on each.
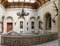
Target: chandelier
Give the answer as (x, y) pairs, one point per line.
(23, 13)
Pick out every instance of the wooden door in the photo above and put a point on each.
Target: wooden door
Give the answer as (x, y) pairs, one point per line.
(9, 26)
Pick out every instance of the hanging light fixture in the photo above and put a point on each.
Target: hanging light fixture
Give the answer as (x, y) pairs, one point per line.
(23, 13)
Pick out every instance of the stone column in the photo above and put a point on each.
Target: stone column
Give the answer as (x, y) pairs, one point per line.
(59, 22)
(5, 26)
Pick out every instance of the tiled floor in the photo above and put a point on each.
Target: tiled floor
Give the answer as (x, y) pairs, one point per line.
(52, 43)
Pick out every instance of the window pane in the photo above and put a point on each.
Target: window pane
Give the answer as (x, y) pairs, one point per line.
(10, 0)
(21, 24)
(27, 0)
(15, 0)
(21, 0)
(32, 1)
(32, 25)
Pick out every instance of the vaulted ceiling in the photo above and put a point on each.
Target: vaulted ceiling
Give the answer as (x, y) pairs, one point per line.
(18, 4)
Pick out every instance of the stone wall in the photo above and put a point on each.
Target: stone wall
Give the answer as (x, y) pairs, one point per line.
(28, 40)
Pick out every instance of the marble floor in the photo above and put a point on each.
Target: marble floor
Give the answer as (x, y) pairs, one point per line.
(51, 43)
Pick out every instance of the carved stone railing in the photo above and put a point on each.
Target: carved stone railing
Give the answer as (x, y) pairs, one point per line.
(27, 39)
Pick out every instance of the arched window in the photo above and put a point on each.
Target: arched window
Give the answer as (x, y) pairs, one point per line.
(9, 19)
(48, 21)
(32, 19)
(21, 24)
(32, 25)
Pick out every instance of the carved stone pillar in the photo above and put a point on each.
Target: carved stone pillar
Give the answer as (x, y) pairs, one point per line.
(59, 22)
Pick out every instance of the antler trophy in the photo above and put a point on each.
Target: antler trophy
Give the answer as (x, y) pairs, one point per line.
(56, 9)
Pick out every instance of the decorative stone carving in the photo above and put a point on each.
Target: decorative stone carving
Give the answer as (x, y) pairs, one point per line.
(3, 18)
(38, 17)
(32, 18)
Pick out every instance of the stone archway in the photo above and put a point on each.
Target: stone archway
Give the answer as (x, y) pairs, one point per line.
(47, 21)
(9, 24)
(32, 23)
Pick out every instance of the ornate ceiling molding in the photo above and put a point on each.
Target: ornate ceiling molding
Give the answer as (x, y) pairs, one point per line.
(35, 5)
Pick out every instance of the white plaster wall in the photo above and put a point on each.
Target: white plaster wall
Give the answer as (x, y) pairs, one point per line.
(43, 10)
(13, 13)
(32, 12)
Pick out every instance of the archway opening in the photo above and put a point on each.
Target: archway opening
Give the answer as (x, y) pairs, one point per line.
(48, 21)
(9, 24)
(32, 19)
